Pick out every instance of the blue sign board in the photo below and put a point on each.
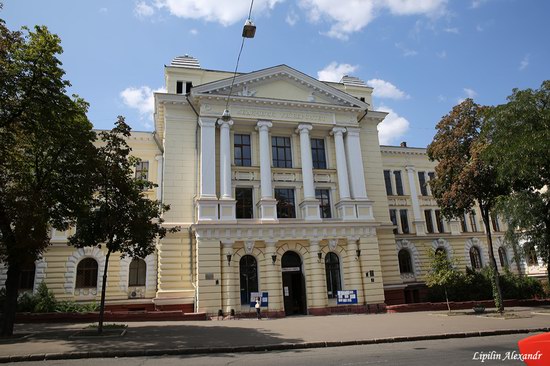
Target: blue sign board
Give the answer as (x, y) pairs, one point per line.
(347, 297)
(264, 299)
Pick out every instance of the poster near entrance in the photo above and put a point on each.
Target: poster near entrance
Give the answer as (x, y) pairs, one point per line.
(346, 297)
(264, 299)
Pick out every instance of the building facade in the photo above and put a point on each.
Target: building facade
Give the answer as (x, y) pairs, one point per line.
(291, 195)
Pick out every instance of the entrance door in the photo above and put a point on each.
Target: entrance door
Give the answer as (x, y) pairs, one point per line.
(294, 289)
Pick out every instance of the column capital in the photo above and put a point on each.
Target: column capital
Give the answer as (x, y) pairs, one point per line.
(227, 123)
(353, 131)
(410, 167)
(207, 122)
(338, 131)
(304, 128)
(263, 125)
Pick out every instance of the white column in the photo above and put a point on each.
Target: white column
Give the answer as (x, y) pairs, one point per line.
(160, 163)
(310, 205)
(265, 160)
(418, 222)
(341, 163)
(208, 158)
(208, 201)
(267, 204)
(355, 164)
(307, 163)
(225, 159)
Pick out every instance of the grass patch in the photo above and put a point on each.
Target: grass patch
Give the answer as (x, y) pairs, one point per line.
(108, 326)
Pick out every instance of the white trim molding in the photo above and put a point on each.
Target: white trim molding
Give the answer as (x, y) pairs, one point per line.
(484, 256)
(415, 256)
(443, 243)
(150, 275)
(70, 274)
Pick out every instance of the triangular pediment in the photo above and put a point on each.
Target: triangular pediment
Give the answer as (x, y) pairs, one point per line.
(280, 83)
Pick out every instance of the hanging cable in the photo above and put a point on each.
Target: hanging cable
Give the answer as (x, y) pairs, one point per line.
(249, 30)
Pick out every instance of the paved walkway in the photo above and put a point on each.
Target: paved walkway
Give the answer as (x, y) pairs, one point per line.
(52, 341)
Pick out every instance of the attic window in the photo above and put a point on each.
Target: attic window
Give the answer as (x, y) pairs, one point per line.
(188, 86)
(362, 99)
(179, 87)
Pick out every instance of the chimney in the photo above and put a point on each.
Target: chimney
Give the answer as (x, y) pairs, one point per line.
(403, 144)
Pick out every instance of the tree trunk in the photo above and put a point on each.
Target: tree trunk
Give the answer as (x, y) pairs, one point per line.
(10, 305)
(103, 289)
(447, 298)
(497, 292)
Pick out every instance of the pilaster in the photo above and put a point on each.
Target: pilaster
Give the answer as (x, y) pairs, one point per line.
(208, 276)
(418, 222)
(228, 278)
(316, 279)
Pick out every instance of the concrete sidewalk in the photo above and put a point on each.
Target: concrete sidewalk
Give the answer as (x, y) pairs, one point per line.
(52, 341)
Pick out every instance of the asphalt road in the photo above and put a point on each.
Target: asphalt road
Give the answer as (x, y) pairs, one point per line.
(449, 352)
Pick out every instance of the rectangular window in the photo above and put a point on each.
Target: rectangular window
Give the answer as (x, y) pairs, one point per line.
(398, 182)
(473, 221)
(494, 221)
(318, 154)
(324, 202)
(404, 221)
(285, 203)
(393, 218)
(429, 221)
(244, 205)
(142, 170)
(422, 182)
(439, 221)
(281, 152)
(241, 150)
(463, 223)
(188, 86)
(179, 87)
(387, 180)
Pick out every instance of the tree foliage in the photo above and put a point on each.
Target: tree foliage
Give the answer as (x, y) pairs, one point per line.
(443, 273)
(464, 178)
(519, 132)
(46, 142)
(120, 215)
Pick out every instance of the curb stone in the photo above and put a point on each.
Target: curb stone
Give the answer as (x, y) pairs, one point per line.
(264, 348)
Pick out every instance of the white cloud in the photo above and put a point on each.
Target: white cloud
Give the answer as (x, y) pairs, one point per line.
(143, 10)
(470, 93)
(406, 51)
(524, 63)
(292, 17)
(141, 99)
(335, 71)
(392, 128)
(385, 89)
(349, 16)
(453, 30)
(193, 32)
(223, 12)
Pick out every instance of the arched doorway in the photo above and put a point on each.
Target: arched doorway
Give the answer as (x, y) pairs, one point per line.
(294, 288)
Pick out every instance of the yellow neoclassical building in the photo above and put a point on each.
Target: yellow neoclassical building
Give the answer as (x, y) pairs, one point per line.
(291, 197)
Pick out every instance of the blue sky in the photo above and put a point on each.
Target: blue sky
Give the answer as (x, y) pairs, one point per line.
(422, 56)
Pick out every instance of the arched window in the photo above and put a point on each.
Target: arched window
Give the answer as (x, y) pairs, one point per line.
(405, 261)
(138, 270)
(503, 257)
(248, 269)
(441, 251)
(332, 268)
(475, 257)
(86, 273)
(26, 279)
(531, 252)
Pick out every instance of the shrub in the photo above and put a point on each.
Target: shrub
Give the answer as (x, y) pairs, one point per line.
(74, 307)
(44, 300)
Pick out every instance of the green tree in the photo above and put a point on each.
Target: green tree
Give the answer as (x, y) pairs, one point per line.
(519, 132)
(443, 273)
(120, 215)
(46, 141)
(463, 177)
